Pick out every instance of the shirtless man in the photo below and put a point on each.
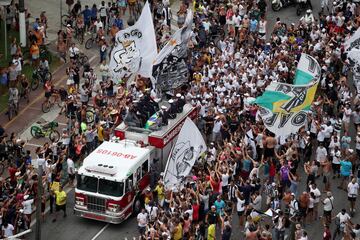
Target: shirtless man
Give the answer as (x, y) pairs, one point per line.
(269, 147)
(326, 168)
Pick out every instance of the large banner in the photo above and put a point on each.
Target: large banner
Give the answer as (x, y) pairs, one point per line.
(307, 70)
(284, 107)
(189, 146)
(353, 41)
(135, 48)
(352, 47)
(170, 69)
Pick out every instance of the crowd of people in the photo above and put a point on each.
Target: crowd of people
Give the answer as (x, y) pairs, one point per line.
(257, 187)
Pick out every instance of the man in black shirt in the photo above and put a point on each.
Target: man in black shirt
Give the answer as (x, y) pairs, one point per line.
(212, 216)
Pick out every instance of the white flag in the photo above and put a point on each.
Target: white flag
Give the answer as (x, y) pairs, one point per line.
(170, 68)
(353, 41)
(189, 145)
(135, 48)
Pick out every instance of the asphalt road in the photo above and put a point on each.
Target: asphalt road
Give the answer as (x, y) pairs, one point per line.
(74, 228)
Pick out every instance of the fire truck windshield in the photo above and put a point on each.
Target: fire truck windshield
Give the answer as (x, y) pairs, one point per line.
(102, 186)
(111, 188)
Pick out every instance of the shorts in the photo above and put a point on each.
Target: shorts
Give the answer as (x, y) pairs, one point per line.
(352, 199)
(60, 207)
(131, 3)
(310, 210)
(72, 176)
(327, 213)
(240, 213)
(142, 230)
(47, 94)
(302, 211)
(269, 152)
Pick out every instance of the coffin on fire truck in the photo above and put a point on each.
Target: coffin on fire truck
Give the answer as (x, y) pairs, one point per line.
(112, 179)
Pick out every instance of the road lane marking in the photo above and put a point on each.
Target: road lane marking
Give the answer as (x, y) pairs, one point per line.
(34, 145)
(40, 96)
(101, 231)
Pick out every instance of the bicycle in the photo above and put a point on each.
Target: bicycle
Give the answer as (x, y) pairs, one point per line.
(47, 129)
(81, 60)
(25, 93)
(65, 19)
(79, 35)
(54, 98)
(44, 53)
(12, 109)
(91, 41)
(39, 76)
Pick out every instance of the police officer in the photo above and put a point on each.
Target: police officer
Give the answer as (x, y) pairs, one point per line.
(164, 115)
(172, 109)
(180, 103)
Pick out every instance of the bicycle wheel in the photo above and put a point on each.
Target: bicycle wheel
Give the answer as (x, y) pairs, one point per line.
(89, 43)
(45, 107)
(65, 19)
(11, 112)
(35, 132)
(35, 83)
(48, 76)
(54, 136)
(90, 116)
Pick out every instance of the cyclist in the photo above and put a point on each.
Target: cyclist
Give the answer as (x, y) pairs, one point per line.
(44, 66)
(69, 34)
(48, 90)
(80, 27)
(74, 53)
(25, 86)
(14, 96)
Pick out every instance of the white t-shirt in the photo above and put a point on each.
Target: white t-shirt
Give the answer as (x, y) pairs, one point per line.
(98, 25)
(317, 194)
(353, 189)
(343, 217)
(321, 135)
(225, 179)
(8, 231)
(311, 203)
(73, 51)
(328, 203)
(18, 65)
(321, 154)
(70, 166)
(240, 205)
(217, 126)
(152, 211)
(27, 206)
(142, 219)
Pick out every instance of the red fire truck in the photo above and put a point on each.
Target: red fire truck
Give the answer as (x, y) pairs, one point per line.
(113, 178)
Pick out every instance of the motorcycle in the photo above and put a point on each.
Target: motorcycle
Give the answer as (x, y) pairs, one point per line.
(303, 5)
(276, 5)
